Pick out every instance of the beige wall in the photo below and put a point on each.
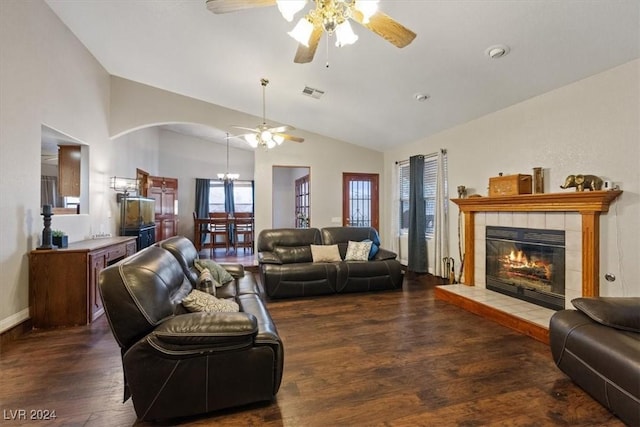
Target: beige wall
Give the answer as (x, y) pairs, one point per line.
(46, 77)
(591, 126)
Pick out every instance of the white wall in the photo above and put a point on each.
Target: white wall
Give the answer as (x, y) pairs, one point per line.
(591, 126)
(46, 77)
(135, 106)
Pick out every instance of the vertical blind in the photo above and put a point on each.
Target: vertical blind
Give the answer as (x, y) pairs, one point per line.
(429, 177)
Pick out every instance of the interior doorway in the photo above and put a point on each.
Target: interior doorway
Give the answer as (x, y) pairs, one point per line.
(291, 206)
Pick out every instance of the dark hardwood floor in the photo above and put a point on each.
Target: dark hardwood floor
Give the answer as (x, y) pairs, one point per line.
(388, 358)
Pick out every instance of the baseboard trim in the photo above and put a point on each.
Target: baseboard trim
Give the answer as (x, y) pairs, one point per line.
(14, 326)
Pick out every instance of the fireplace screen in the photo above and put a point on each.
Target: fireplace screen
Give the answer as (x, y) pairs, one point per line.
(526, 263)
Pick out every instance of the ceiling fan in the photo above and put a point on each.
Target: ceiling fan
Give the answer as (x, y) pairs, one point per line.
(263, 135)
(330, 16)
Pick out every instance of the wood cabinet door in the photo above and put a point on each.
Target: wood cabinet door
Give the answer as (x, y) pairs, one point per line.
(165, 192)
(97, 263)
(69, 170)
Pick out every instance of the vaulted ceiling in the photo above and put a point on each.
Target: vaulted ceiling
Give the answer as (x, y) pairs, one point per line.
(370, 87)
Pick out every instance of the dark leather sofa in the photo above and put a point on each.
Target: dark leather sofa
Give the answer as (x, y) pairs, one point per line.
(598, 347)
(287, 268)
(178, 363)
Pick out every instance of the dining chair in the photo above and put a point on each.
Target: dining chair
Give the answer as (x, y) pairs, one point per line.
(219, 231)
(243, 227)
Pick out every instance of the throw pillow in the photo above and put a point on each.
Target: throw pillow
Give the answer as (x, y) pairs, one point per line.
(325, 253)
(358, 251)
(206, 282)
(218, 272)
(374, 248)
(202, 301)
(616, 312)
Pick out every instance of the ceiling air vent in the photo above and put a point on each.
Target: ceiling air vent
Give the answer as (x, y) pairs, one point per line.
(314, 93)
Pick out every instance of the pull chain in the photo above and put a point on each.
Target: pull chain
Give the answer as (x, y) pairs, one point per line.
(328, 36)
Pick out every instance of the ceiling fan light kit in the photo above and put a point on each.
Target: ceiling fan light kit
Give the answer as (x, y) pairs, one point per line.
(263, 135)
(326, 16)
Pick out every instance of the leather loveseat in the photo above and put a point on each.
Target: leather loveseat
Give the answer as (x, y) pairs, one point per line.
(598, 347)
(287, 268)
(178, 363)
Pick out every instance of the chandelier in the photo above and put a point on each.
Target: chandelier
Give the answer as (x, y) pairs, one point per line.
(228, 176)
(331, 15)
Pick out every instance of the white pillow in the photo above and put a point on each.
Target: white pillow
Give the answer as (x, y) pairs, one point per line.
(358, 251)
(325, 253)
(202, 301)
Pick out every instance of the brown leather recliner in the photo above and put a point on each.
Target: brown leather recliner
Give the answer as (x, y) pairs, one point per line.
(598, 347)
(178, 363)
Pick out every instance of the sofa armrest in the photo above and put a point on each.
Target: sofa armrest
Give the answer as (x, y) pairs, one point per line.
(207, 330)
(384, 254)
(236, 270)
(267, 257)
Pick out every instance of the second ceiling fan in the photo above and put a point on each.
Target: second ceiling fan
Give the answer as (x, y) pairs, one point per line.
(330, 16)
(263, 135)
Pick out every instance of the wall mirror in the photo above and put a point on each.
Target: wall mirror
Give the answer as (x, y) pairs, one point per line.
(291, 200)
(64, 173)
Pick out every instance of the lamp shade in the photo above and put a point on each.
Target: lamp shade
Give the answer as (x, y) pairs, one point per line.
(345, 34)
(302, 31)
(288, 8)
(368, 8)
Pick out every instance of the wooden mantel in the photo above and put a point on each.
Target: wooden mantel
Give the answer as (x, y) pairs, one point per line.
(588, 203)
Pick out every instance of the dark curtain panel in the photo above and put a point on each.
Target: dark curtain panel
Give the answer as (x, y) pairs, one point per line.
(253, 198)
(202, 201)
(229, 204)
(417, 261)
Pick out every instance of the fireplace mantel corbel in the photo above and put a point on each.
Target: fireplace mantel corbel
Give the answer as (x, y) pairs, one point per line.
(590, 204)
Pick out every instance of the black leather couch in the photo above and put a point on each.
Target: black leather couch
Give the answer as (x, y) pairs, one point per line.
(178, 363)
(598, 347)
(287, 268)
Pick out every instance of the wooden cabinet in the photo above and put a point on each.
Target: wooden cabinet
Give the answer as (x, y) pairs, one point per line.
(63, 283)
(145, 236)
(165, 192)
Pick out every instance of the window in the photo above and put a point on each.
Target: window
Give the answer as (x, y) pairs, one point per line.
(242, 196)
(429, 177)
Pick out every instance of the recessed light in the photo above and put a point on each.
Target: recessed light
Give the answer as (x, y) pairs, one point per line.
(421, 97)
(497, 51)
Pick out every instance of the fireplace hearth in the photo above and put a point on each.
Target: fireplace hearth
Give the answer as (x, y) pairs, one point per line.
(526, 263)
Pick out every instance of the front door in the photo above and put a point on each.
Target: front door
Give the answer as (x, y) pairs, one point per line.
(360, 200)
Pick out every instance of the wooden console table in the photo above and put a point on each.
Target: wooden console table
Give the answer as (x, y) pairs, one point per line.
(63, 283)
(590, 204)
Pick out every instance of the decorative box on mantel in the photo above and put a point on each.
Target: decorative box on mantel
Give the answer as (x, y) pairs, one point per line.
(510, 185)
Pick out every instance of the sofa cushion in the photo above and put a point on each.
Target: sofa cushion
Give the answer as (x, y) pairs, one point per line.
(616, 312)
(375, 247)
(325, 253)
(358, 251)
(198, 301)
(218, 272)
(206, 282)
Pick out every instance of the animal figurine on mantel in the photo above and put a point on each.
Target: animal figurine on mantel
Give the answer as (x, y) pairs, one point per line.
(582, 182)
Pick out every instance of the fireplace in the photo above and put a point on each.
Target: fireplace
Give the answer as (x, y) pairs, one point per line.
(526, 263)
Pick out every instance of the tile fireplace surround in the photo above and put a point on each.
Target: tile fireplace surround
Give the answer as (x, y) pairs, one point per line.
(578, 214)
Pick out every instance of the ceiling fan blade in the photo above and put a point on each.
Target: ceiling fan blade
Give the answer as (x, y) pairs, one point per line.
(281, 129)
(305, 54)
(244, 128)
(290, 137)
(226, 6)
(387, 28)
